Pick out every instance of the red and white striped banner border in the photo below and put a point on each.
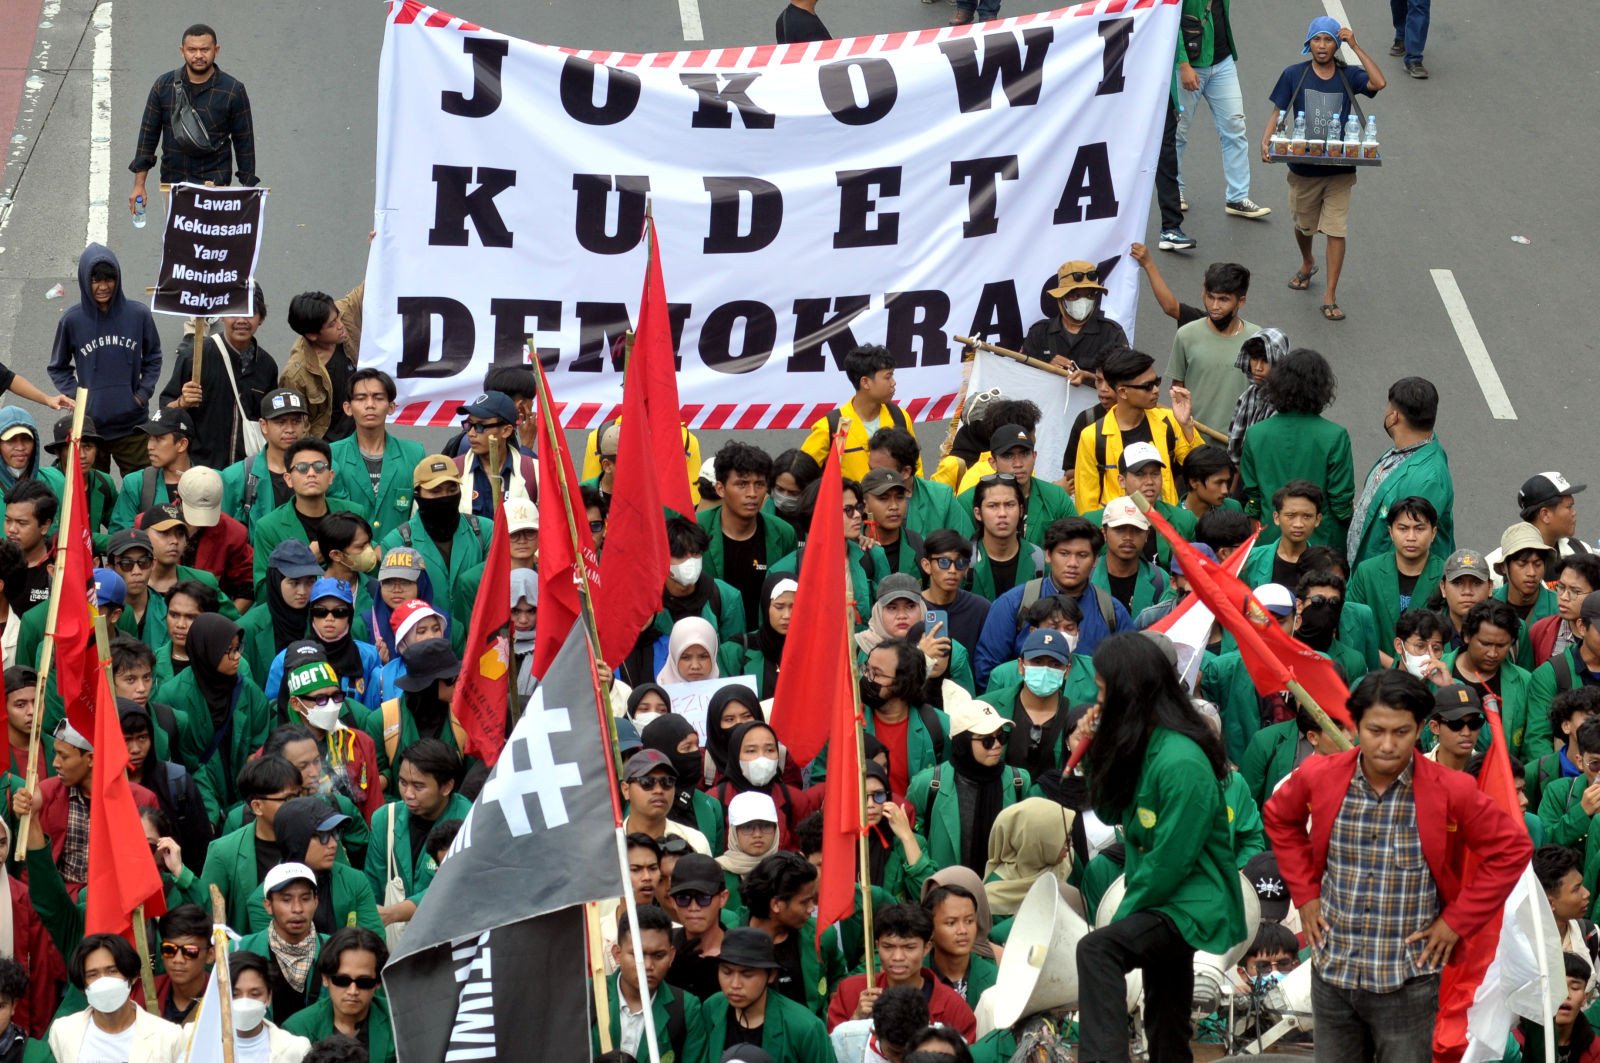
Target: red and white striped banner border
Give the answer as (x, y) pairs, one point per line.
(728, 416)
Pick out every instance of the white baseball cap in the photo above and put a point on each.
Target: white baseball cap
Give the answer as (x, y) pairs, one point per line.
(1123, 511)
(971, 716)
(283, 874)
(200, 491)
(1137, 454)
(751, 807)
(521, 515)
(1275, 598)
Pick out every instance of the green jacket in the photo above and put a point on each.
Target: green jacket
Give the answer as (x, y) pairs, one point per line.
(1047, 504)
(102, 492)
(216, 766)
(789, 1034)
(130, 494)
(861, 585)
(237, 484)
(665, 1003)
(1298, 446)
(776, 533)
(353, 903)
(1182, 520)
(415, 870)
(1528, 736)
(1226, 682)
(1561, 812)
(408, 734)
(1180, 853)
(1543, 686)
(933, 506)
(257, 639)
(316, 1023)
(920, 745)
(231, 867)
(281, 525)
(1079, 689)
(1358, 629)
(152, 630)
(1270, 758)
(1149, 586)
(353, 839)
(1201, 9)
(1544, 604)
(980, 577)
(1244, 819)
(982, 972)
(391, 502)
(1376, 583)
(941, 823)
(1007, 701)
(257, 943)
(468, 548)
(1425, 473)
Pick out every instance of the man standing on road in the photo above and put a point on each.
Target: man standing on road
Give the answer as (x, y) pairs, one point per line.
(798, 23)
(1209, 71)
(236, 374)
(1081, 336)
(198, 129)
(1415, 466)
(1319, 196)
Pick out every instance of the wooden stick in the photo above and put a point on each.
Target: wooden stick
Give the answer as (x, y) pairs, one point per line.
(597, 976)
(166, 186)
(198, 324)
(147, 971)
(219, 939)
(863, 857)
(1333, 731)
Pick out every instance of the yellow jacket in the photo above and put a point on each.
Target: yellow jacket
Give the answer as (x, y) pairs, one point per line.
(855, 442)
(1096, 482)
(691, 456)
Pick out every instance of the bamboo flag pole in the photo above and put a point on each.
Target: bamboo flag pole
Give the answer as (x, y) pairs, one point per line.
(219, 944)
(863, 856)
(198, 324)
(597, 975)
(47, 651)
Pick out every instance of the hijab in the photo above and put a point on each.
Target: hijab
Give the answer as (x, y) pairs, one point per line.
(877, 632)
(768, 641)
(663, 733)
(342, 652)
(288, 624)
(732, 772)
(734, 859)
(209, 638)
(988, 783)
(880, 840)
(967, 879)
(525, 584)
(636, 696)
(690, 631)
(296, 824)
(8, 946)
(717, 737)
(1027, 841)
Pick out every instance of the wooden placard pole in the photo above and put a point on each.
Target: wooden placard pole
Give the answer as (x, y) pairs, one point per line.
(198, 324)
(597, 975)
(147, 971)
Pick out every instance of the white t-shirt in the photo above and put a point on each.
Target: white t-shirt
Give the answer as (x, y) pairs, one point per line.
(101, 1047)
(257, 1049)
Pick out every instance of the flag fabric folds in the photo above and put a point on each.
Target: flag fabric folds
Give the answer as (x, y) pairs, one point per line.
(1189, 623)
(482, 691)
(560, 604)
(122, 872)
(206, 1038)
(76, 659)
(653, 338)
(501, 931)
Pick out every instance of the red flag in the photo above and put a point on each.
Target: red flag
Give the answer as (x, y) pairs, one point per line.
(652, 349)
(633, 577)
(560, 605)
(483, 689)
(76, 660)
(1271, 656)
(122, 873)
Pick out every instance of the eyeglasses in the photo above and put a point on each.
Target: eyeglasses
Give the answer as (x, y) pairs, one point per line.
(323, 700)
(596, 527)
(652, 783)
(692, 899)
(1285, 965)
(1470, 723)
(1147, 385)
(989, 741)
(1565, 591)
(878, 797)
(998, 478)
(343, 612)
(484, 426)
(318, 467)
(960, 564)
(362, 982)
(1084, 275)
(170, 951)
(853, 510)
(673, 846)
(128, 564)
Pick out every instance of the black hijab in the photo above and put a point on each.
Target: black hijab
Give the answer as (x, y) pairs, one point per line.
(716, 736)
(288, 624)
(295, 826)
(342, 653)
(768, 641)
(638, 693)
(880, 840)
(663, 733)
(735, 774)
(986, 781)
(209, 638)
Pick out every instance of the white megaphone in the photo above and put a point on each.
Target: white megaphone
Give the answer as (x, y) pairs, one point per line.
(1210, 970)
(1039, 969)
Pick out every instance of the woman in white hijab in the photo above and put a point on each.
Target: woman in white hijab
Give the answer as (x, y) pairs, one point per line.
(691, 652)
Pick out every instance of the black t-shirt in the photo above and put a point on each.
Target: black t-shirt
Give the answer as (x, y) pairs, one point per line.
(1284, 572)
(1219, 30)
(374, 468)
(744, 568)
(791, 981)
(738, 1035)
(1408, 587)
(796, 25)
(268, 856)
(1489, 688)
(311, 525)
(690, 971)
(280, 492)
(419, 829)
(1122, 587)
(286, 1000)
(340, 370)
(1069, 458)
(891, 551)
(1005, 573)
(34, 590)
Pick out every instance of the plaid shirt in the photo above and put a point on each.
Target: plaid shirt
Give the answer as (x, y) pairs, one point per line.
(224, 107)
(74, 862)
(1377, 890)
(1392, 459)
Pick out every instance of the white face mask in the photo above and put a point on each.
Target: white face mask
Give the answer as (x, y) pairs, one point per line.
(760, 771)
(1072, 641)
(323, 717)
(248, 1013)
(107, 994)
(1079, 309)
(1416, 664)
(686, 572)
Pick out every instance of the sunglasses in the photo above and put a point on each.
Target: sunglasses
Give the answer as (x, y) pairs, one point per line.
(652, 783)
(854, 511)
(484, 426)
(325, 837)
(128, 564)
(170, 951)
(1148, 385)
(1470, 723)
(363, 982)
(1324, 599)
(998, 478)
(960, 564)
(596, 527)
(989, 741)
(879, 797)
(692, 899)
(673, 846)
(322, 701)
(343, 612)
(303, 467)
(1084, 275)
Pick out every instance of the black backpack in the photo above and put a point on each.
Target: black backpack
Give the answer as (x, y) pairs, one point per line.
(933, 795)
(896, 414)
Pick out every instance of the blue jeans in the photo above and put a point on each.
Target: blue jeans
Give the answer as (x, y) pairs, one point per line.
(986, 9)
(1353, 1024)
(1219, 85)
(1411, 25)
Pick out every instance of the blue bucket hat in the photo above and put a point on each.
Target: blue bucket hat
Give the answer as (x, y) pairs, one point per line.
(1322, 24)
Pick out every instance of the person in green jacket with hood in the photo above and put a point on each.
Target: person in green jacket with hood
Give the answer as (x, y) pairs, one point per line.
(1156, 767)
(1391, 582)
(427, 774)
(349, 968)
(236, 862)
(1415, 467)
(308, 833)
(976, 773)
(1298, 443)
(749, 1011)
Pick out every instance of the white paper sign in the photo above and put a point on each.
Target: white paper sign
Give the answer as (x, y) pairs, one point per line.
(1058, 399)
(691, 700)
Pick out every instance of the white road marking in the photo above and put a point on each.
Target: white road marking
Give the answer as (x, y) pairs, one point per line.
(1335, 10)
(100, 129)
(689, 13)
(1494, 393)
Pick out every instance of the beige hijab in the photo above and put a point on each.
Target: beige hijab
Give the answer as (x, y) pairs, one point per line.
(967, 879)
(1029, 839)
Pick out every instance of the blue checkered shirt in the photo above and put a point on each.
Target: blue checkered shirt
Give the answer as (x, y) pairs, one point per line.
(1376, 890)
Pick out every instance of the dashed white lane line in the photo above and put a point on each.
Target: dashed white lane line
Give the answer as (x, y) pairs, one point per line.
(689, 13)
(1494, 392)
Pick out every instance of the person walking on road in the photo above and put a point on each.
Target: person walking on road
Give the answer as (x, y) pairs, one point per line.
(1411, 33)
(1206, 69)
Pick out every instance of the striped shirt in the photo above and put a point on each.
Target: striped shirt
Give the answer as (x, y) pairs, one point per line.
(1377, 890)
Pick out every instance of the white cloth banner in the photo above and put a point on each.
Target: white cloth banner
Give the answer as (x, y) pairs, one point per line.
(899, 189)
(1058, 399)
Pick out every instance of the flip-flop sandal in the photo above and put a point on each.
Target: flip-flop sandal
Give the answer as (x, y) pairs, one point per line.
(1332, 312)
(1302, 279)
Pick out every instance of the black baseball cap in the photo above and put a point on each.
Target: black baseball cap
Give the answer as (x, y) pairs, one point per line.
(697, 873)
(169, 421)
(1544, 489)
(282, 402)
(1009, 437)
(1456, 701)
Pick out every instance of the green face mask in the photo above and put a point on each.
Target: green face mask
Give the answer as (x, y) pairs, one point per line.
(1043, 681)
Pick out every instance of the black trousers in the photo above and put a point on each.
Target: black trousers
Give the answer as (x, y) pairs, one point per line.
(1167, 198)
(1148, 942)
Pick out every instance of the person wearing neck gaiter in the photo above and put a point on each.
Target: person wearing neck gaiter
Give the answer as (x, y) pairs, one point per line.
(524, 615)
(675, 736)
(956, 803)
(224, 718)
(449, 543)
(423, 710)
(308, 830)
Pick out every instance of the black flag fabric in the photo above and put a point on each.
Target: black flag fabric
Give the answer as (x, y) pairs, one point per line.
(492, 966)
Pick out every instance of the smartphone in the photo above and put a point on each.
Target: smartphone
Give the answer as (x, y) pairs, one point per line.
(940, 617)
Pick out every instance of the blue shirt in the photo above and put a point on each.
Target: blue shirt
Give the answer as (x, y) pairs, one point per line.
(1002, 637)
(1322, 100)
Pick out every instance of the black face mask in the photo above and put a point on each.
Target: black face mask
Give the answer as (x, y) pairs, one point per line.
(1318, 625)
(1223, 324)
(872, 695)
(440, 516)
(687, 766)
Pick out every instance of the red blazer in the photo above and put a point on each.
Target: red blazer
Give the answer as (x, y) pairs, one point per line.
(36, 952)
(52, 812)
(224, 551)
(945, 1007)
(1453, 816)
(1542, 637)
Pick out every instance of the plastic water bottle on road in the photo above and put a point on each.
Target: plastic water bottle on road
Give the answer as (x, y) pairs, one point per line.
(138, 212)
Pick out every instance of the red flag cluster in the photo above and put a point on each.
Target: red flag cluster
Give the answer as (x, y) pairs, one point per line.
(483, 691)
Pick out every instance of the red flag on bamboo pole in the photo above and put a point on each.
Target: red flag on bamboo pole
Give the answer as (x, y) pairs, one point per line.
(479, 703)
(122, 872)
(654, 338)
(564, 538)
(76, 659)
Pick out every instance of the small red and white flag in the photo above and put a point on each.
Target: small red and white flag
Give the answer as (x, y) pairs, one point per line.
(1189, 624)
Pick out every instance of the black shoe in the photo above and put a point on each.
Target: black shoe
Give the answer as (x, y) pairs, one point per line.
(1397, 48)
(1417, 70)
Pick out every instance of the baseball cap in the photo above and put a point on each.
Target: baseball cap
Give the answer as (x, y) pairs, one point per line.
(169, 421)
(698, 873)
(127, 539)
(109, 588)
(1200, 548)
(401, 562)
(708, 471)
(69, 734)
(752, 806)
(1519, 537)
(294, 560)
(1544, 489)
(408, 615)
(1322, 24)
(628, 740)
(522, 514)
(18, 428)
(1466, 563)
(496, 404)
(882, 481)
(328, 587)
(610, 440)
(1123, 512)
(427, 662)
(1089, 277)
(1589, 611)
(1045, 642)
(328, 817)
(200, 492)
(644, 762)
(1456, 701)
(1009, 437)
(63, 432)
(897, 586)
(971, 716)
(161, 517)
(281, 403)
(1273, 893)
(1275, 598)
(310, 678)
(1135, 455)
(435, 470)
(283, 874)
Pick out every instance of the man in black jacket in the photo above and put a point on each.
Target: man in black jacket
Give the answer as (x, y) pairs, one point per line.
(219, 417)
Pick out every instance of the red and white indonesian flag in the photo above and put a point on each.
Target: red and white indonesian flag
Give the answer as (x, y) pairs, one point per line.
(1189, 623)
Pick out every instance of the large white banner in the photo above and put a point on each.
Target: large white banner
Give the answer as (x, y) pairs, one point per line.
(898, 190)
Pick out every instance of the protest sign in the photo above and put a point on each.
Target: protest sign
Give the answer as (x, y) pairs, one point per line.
(209, 251)
(691, 700)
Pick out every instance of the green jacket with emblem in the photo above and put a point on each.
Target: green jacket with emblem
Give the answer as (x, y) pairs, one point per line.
(789, 1033)
(315, 1023)
(679, 1021)
(1376, 583)
(390, 503)
(416, 870)
(938, 807)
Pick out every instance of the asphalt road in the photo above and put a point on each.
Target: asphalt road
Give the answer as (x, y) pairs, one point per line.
(1485, 150)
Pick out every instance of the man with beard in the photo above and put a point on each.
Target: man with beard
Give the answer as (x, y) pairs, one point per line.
(218, 101)
(1205, 352)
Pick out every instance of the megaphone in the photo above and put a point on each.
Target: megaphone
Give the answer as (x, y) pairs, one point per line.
(1039, 969)
(1210, 969)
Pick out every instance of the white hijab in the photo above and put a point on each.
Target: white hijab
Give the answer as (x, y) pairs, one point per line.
(690, 631)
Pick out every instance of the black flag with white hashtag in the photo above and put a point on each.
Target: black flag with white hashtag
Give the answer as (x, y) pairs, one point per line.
(500, 932)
